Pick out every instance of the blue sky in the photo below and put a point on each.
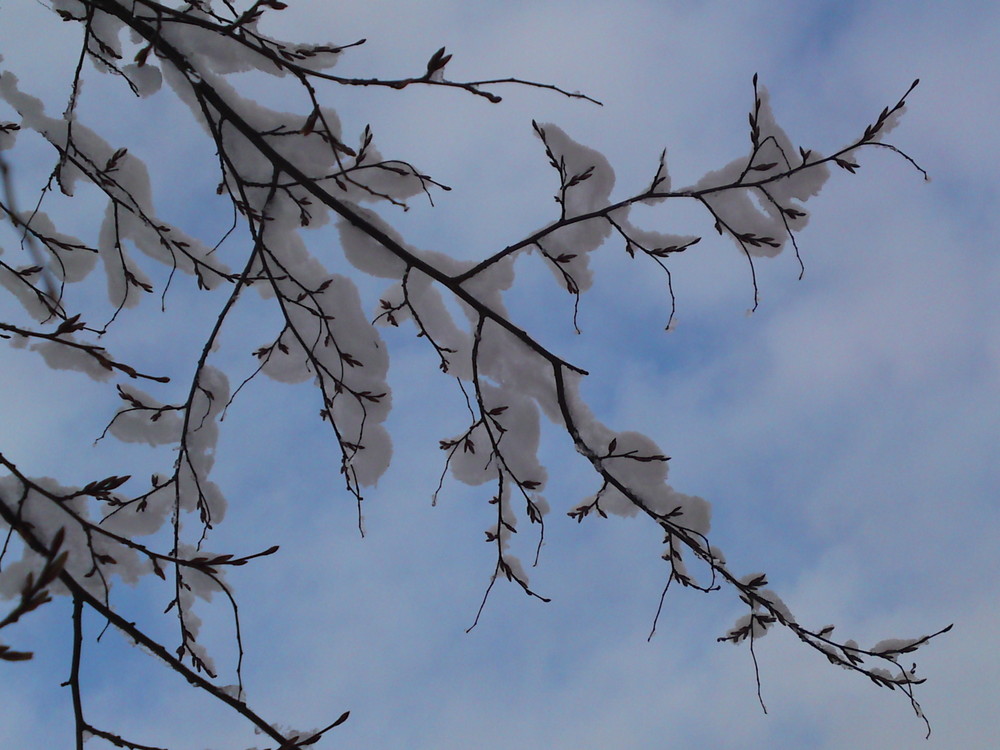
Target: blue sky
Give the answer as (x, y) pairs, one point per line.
(846, 433)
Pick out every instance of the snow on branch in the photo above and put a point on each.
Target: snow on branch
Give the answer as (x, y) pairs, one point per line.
(283, 173)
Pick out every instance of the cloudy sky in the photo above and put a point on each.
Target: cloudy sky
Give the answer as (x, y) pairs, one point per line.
(846, 433)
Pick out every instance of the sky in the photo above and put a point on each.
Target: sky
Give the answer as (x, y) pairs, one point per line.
(846, 433)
